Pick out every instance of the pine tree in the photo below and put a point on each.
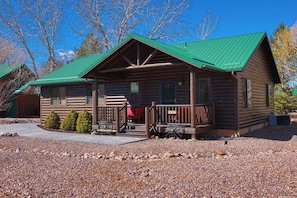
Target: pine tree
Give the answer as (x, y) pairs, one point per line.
(91, 45)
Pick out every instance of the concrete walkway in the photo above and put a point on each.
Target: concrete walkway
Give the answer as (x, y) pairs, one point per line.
(33, 131)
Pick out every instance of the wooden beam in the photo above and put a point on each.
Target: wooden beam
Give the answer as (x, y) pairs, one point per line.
(147, 122)
(128, 60)
(150, 57)
(117, 120)
(138, 54)
(193, 98)
(95, 99)
(141, 67)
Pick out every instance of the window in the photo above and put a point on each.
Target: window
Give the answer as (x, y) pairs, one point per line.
(58, 96)
(268, 95)
(134, 87)
(247, 93)
(101, 95)
(89, 94)
(203, 90)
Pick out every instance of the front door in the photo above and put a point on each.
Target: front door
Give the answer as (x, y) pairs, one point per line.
(168, 92)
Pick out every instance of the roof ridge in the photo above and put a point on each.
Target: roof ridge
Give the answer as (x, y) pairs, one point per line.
(219, 38)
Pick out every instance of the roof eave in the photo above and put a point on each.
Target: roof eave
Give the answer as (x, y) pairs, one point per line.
(60, 82)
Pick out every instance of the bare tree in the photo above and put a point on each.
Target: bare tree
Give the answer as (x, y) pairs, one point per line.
(294, 35)
(112, 20)
(164, 18)
(11, 19)
(46, 15)
(33, 25)
(208, 24)
(10, 54)
(115, 19)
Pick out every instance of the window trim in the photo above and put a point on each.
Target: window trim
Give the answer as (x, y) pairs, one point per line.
(101, 94)
(198, 90)
(247, 93)
(56, 99)
(268, 90)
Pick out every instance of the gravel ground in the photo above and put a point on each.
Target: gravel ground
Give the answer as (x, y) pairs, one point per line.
(261, 164)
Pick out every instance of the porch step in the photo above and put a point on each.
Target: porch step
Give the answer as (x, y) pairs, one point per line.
(133, 133)
(137, 127)
(204, 128)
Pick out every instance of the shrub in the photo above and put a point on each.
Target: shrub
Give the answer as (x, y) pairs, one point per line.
(69, 123)
(52, 121)
(84, 122)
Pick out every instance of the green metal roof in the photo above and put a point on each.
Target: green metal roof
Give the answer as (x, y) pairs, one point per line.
(222, 54)
(69, 73)
(227, 54)
(6, 69)
(174, 51)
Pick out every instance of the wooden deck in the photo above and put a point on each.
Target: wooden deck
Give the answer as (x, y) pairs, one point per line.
(158, 119)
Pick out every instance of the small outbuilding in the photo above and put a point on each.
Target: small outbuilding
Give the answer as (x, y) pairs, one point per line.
(23, 105)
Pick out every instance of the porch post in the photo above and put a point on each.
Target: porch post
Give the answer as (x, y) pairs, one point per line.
(95, 99)
(193, 97)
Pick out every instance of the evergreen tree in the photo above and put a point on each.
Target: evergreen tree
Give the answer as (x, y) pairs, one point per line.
(91, 45)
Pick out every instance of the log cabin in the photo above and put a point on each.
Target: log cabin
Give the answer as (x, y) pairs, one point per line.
(215, 87)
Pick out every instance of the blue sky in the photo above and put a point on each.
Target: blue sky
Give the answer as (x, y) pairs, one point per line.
(246, 16)
(235, 17)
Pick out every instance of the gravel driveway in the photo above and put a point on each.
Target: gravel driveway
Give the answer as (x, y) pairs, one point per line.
(261, 164)
(32, 130)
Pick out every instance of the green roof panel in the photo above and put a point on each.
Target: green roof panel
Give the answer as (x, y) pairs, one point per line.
(227, 54)
(69, 73)
(6, 69)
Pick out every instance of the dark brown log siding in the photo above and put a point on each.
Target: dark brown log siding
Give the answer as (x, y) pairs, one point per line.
(223, 87)
(224, 97)
(257, 70)
(75, 100)
(149, 84)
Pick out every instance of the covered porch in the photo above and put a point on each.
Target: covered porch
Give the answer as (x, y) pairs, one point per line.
(169, 120)
(159, 80)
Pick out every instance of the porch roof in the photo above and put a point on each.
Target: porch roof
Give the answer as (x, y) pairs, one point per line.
(69, 73)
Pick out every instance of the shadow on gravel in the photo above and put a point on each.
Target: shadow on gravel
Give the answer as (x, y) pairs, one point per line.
(280, 133)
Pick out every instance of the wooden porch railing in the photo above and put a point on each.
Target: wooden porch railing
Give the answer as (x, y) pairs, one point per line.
(159, 114)
(114, 114)
(169, 114)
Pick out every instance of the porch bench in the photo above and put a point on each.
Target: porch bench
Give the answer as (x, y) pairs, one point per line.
(106, 127)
